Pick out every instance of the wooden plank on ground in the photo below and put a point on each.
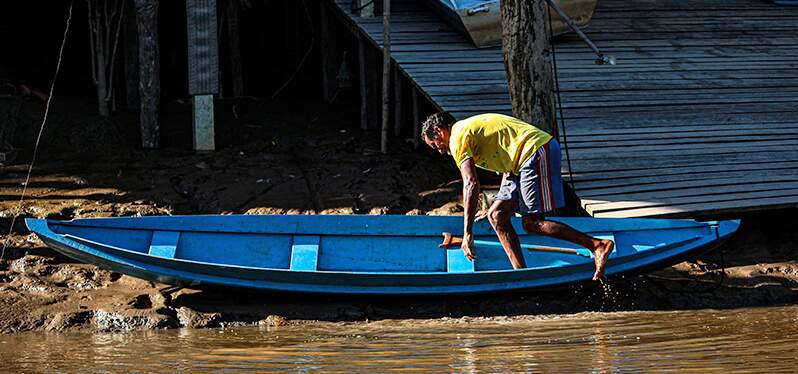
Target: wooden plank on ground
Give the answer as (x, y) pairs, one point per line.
(595, 207)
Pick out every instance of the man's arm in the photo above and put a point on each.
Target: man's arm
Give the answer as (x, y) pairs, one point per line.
(470, 199)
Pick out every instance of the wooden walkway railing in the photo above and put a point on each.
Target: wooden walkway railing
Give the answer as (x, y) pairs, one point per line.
(699, 117)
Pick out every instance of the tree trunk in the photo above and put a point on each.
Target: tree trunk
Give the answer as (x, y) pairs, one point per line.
(102, 83)
(329, 53)
(105, 21)
(234, 45)
(149, 71)
(527, 61)
(370, 114)
(131, 52)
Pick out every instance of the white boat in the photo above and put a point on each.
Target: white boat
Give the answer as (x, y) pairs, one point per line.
(481, 19)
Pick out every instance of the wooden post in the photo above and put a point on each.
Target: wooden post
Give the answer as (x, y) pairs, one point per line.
(397, 99)
(202, 122)
(203, 68)
(234, 47)
(386, 74)
(329, 54)
(368, 86)
(296, 27)
(364, 94)
(98, 22)
(527, 61)
(416, 119)
(149, 72)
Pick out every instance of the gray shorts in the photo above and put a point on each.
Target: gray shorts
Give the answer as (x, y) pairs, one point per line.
(538, 187)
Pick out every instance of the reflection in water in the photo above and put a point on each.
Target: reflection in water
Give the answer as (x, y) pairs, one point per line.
(744, 340)
(466, 358)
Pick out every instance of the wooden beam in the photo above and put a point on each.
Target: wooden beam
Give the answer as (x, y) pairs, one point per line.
(234, 47)
(297, 44)
(368, 86)
(397, 99)
(386, 74)
(416, 118)
(329, 54)
(164, 244)
(305, 253)
(203, 69)
(203, 123)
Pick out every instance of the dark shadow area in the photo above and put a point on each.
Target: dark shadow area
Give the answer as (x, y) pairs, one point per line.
(292, 153)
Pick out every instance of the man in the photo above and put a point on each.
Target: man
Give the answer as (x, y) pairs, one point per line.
(529, 160)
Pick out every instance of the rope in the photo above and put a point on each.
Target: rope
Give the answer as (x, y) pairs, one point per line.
(559, 104)
(355, 10)
(305, 57)
(723, 276)
(41, 130)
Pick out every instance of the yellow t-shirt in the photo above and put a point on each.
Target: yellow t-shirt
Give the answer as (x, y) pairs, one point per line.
(497, 142)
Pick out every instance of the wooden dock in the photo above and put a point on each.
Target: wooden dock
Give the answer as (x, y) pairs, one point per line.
(699, 117)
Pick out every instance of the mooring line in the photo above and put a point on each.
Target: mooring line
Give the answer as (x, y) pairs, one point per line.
(559, 103)
(307, 53)
(41, 130)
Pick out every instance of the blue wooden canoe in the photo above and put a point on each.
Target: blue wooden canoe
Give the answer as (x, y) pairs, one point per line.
(358, 254)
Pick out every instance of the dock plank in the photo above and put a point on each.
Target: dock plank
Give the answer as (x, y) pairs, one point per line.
(699, 117)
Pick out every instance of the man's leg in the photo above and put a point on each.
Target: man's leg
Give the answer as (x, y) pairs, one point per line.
(499, 216)
(537, 224)
(542, 191)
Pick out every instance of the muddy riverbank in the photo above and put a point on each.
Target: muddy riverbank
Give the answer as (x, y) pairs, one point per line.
(296, 158)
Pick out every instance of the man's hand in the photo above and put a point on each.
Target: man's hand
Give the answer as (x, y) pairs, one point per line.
(468, 171)
(468, 242)
(481, 215)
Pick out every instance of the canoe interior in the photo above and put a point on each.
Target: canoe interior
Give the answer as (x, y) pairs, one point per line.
(370, 244)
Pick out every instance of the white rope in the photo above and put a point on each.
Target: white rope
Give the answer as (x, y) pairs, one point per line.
(39, 136)
(305, 57)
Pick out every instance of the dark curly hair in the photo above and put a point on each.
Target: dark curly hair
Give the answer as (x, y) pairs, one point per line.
(440, 120)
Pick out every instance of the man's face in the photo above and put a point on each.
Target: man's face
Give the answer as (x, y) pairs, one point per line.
(438, 144)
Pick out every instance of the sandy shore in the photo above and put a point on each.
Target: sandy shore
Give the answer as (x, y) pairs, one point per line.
(307, 161)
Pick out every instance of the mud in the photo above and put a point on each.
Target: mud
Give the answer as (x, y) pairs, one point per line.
(296, 158)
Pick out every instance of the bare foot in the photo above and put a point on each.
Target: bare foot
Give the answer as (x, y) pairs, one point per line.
(600, 257)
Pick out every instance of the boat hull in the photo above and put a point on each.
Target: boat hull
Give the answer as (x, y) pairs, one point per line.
(481, 19)
(433, 277)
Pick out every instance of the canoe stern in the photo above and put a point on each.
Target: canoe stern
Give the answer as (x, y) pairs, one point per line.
(481, 19)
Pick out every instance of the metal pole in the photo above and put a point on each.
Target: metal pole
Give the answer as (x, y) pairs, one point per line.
(386, 73)
(602, 59)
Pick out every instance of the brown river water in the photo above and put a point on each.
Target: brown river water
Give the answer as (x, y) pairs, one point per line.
(757, 340)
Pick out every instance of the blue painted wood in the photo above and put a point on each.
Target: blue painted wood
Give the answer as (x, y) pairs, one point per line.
(354, 224)
(457, 262)
(164, 243)
(358, 254)
(305, 253)
(382, 253)
(263, 251)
